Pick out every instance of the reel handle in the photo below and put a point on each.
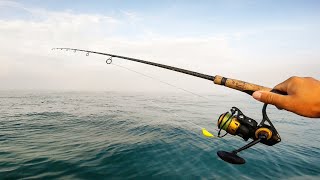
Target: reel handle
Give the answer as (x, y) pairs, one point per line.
(247, 146)
(232, 157)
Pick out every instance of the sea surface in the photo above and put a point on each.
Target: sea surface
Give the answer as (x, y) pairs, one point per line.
(112, 135)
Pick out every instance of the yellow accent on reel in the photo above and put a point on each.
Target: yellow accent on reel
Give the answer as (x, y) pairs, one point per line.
(206, 133)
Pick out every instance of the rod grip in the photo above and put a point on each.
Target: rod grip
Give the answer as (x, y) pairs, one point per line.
(245, 87)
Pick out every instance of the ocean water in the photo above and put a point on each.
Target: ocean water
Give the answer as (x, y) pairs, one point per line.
(103, 135)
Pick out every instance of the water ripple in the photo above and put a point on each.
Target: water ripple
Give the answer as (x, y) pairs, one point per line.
(74, 135)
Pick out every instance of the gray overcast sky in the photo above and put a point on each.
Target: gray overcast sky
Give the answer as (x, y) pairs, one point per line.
(263, 42)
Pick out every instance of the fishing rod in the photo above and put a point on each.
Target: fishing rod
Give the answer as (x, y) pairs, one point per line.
(239, 85)
(233, 122)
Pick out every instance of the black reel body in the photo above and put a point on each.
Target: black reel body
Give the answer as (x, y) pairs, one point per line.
(236, 123)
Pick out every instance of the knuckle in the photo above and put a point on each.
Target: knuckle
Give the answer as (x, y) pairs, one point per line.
(309, 78)
(295, 79)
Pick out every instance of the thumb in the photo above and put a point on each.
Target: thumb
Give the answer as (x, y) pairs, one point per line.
(270, 98)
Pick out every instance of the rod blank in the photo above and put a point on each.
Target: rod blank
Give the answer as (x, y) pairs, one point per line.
(239, 85)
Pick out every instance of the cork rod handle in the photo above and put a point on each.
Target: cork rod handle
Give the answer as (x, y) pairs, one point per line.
(245, 87)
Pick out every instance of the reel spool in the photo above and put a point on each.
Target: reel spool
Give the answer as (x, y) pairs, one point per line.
(237, 124)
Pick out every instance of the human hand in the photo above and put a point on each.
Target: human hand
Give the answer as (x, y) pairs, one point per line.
(303, 96)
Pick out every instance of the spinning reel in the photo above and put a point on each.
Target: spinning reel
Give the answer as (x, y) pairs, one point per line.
(236, 123)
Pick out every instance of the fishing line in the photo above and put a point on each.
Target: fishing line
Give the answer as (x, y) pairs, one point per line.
(109, 61)
(205, 132)
(160, 81)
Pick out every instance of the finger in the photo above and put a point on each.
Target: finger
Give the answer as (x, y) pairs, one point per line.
(271, 98)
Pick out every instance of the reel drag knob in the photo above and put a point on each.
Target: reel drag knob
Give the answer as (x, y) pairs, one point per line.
(263, 132)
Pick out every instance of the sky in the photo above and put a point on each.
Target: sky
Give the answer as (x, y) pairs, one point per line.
(263, 42)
